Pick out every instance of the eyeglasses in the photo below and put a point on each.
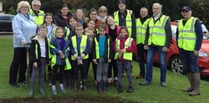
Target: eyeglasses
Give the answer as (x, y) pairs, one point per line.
(103, 11)
(36, 5)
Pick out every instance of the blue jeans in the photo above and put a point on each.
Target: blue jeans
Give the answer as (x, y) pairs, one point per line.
(150, 56)
(124, 65)
(189, 60)
(102, 68)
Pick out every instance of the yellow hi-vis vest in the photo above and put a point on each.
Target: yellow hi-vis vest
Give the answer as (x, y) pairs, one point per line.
(128, 20)
(67, 32)
(157, 32)
(97, 48)
(82, 46)
(38, 19)
(54, 60)
(141, 30)
(126, 55)
(36, 49)
(187, 36)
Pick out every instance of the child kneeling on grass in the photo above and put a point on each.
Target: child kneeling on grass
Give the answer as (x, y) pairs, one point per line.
(102, 54)
(39, 55)
(60, 50)
(124, 47)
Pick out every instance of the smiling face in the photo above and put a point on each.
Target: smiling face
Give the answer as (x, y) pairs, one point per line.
(43, 31)
(72, 22)
(123, 32)
(59, 32)
(143, 12)
(24, 9)
(36, 5)
(110, 20)
(48, 19)
(64, 11)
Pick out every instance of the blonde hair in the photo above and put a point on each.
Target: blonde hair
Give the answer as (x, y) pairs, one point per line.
(102, 8)
(21, 4)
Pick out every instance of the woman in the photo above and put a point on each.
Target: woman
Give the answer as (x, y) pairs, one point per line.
(23, 28)
(62, 17)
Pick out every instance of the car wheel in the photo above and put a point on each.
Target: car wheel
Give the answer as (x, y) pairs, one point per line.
(176, 65)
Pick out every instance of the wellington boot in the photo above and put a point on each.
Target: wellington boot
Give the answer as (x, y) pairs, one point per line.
(189, 76)
(195, 91)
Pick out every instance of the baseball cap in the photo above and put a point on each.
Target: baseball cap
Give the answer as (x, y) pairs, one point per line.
(186, 8)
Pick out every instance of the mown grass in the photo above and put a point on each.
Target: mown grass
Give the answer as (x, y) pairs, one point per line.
(143, 94)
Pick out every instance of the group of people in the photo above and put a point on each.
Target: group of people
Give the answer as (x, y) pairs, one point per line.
(68, 43)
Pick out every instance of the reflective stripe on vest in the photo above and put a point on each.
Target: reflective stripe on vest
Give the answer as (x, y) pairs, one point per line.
(141, 30)
(67, 33)
(38, 19)
(82, 46)
(54, 60)
(126, 55)
(157, 32)
(36, 51)
(128, 20)
(187, 36)
(97, 48)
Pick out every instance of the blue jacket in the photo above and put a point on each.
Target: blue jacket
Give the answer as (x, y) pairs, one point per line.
(54, 51)
(23, 29)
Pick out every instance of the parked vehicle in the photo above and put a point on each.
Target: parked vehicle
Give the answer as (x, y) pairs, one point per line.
(173, 59)
(6, 22)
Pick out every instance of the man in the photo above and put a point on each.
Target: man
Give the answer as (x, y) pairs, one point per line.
(36, 13)
(141, 25)
(189, 40)
(157, 38)
(125, 17)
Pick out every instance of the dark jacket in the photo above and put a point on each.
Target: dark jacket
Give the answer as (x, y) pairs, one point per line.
(33, 54)
(93, 50)
(60, 21)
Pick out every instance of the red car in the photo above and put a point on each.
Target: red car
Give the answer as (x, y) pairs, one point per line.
(173, 59)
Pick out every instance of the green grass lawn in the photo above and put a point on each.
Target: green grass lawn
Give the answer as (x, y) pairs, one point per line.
(143, 94)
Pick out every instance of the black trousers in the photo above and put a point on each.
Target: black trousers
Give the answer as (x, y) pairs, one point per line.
(19, 64)
(79, 69)
(94, 67)
(57, 73)
(141, 54)
(112, 67)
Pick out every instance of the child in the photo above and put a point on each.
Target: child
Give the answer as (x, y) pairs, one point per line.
(101, 55)
(69, 29)
(113, 31)
(80, 54)
(124, 47)
(59, 62)
(90, 32)
(49, 23)
(39, 57)
(80, 17)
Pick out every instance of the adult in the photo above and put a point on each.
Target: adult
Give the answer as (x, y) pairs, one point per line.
(92, 15)
(62, 16)
(189, 40)
(102, 14)
(125, 17)
(36, 13)
(157, 39)
(23, 28)
(141, 25)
